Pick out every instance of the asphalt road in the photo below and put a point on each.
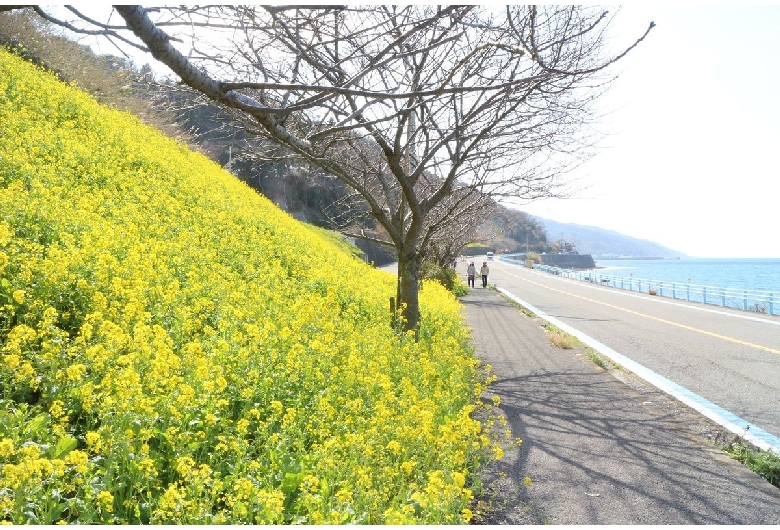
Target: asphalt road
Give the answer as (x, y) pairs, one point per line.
(595, 449)
(601, 447)
(727, 356)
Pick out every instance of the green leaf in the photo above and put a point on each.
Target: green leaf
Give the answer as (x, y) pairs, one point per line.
(37, 422)
(63, 447)
(325, 487)
(290, 482)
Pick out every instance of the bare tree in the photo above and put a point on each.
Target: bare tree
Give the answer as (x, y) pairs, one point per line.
(421, 110)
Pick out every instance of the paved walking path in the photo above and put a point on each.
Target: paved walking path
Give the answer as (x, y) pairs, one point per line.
(599, 449)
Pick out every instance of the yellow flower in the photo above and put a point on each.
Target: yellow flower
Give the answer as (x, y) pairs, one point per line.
(56, 409)
(394, 447)
(184, 465)
(344, 495)
(243, 488)
(6, 448)
(276, 408)
(76, 372)
(310, 484)
(230, 346)
(94, 441)
(272, 502)
(6, 233)
(106, 500)
(76, 457)
(459, 479)
(11, 361)
(242, 426)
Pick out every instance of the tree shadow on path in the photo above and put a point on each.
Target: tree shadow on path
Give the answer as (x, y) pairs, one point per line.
(596, 450)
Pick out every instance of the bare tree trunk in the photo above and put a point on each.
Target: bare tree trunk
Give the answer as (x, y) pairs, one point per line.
(408, 288)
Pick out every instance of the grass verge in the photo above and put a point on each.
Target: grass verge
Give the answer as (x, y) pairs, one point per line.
(561, 339)
(762, 463)
(598, 359)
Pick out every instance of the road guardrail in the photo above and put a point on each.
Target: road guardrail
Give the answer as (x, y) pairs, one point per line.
(757, 301)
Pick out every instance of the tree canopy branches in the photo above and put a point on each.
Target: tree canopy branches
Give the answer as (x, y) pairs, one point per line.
(427, 112)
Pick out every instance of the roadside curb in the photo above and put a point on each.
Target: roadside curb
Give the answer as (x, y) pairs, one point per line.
(734, 424)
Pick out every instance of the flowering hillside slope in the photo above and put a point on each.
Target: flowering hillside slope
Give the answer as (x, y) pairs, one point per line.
(175, 349)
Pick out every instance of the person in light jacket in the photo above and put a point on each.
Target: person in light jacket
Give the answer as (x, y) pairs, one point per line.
(470, 273)
(484, 271)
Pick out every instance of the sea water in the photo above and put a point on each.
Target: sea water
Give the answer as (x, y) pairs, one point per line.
(737, 273)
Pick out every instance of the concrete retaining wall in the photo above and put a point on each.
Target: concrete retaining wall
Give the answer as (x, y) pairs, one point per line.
(569, 261)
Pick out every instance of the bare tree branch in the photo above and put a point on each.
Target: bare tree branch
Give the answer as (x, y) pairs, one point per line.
(429, 113)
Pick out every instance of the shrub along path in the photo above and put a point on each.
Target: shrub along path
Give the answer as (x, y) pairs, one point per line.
(598, 449)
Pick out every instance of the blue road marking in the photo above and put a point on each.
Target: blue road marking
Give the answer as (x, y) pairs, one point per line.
(724, 418)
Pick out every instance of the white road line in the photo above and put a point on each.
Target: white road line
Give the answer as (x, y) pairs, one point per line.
(722, 417)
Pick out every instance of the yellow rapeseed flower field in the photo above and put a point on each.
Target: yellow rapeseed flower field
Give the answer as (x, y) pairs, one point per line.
(175, 349)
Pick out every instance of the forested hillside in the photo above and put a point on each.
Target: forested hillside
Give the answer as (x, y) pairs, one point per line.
(305, 192)
(176, 349)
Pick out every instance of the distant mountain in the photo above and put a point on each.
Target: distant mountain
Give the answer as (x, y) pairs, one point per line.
(601, 242)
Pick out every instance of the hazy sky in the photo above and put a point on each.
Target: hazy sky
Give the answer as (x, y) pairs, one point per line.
(693, 157)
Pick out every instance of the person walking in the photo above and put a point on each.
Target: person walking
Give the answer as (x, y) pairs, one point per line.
(484, 271)
(470, 273)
